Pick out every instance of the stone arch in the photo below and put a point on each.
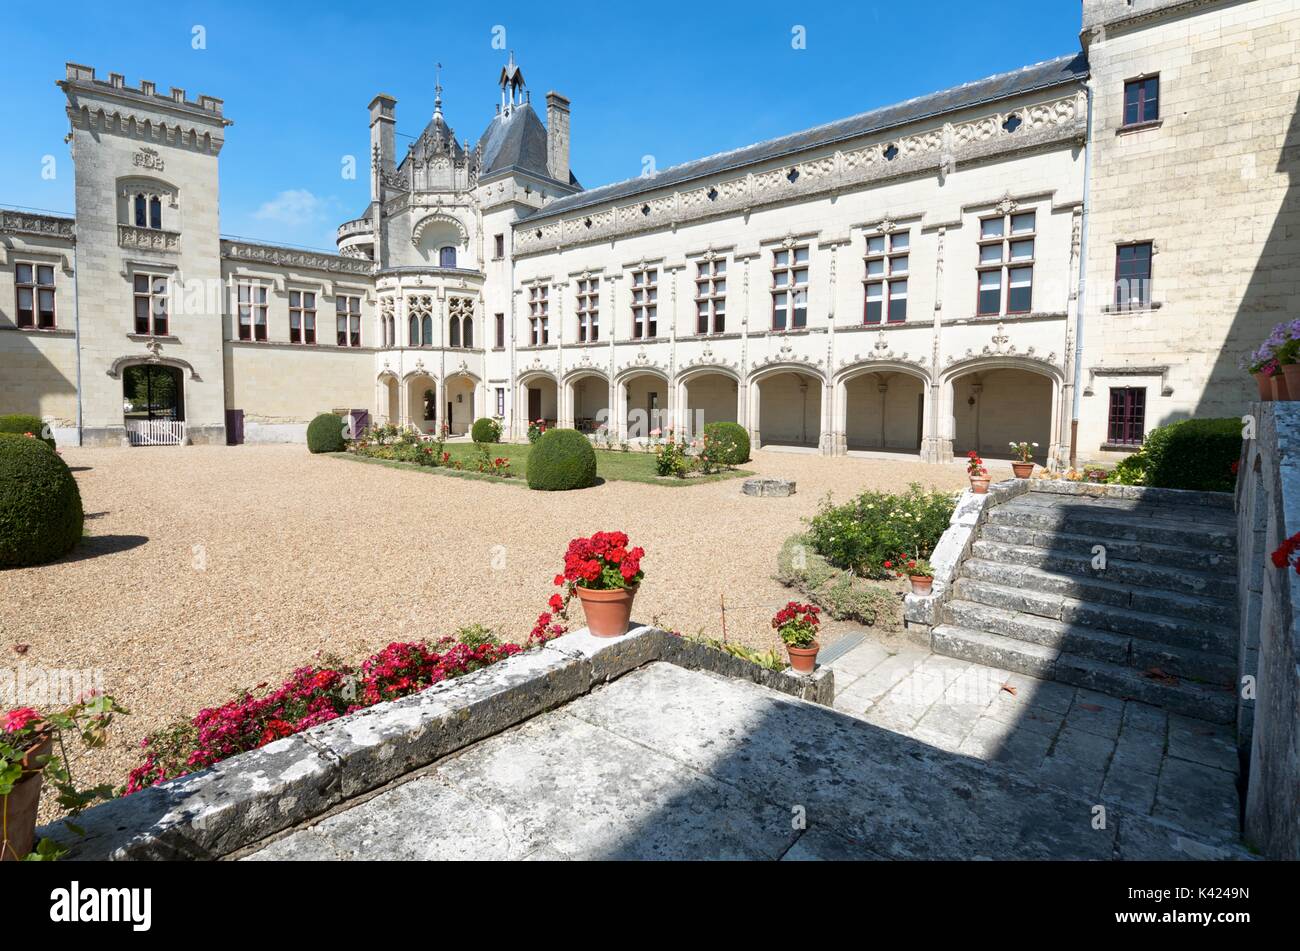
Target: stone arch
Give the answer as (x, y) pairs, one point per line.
(421, 409)
(461, 393)
(388, 398)
(545, 405)
(642, 402)
(994, 399)
(881, 406)
(787, 406)
(586, 395)
(115, 369)
(709, 393)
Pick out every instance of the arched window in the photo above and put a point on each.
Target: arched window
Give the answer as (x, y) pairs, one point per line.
(467, 338)
(390, 335)
(447, 257)
(141, 221)
(426, 331)
(414, 331)
(155, 212)
(455, 332)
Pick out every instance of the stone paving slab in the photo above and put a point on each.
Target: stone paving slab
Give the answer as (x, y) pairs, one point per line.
(1125, 753)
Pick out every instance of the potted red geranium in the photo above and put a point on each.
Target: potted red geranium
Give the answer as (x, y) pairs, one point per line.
(32, 748)
(915, 570)
(605, 574)
(797, 625)
(979, 476)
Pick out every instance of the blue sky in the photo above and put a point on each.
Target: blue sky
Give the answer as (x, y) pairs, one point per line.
(671, 80)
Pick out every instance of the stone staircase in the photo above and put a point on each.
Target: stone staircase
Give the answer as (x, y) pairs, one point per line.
(1156, 624)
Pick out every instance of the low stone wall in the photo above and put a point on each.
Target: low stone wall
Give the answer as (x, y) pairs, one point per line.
(1268, 721)
(923, 612)
(244, 799)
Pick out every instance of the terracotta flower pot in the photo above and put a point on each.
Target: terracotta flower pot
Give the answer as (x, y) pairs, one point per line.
(921, 584)
(1023, 470)
(1280, 391)
(1265, 387)
(803, 660)
(18, 809)
(979, 486)
(609, 613)
(1291, 374)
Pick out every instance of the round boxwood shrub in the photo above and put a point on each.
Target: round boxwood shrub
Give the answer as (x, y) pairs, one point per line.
(1193, 454)
(486, 430)
(40, 505)
(325, 433)
(733, 434)
(560, 460)
(20, 423)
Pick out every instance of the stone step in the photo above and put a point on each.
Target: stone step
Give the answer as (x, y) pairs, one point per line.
(1174, 632)
(1084, 641)
(1192, 559)
(1218, 705)
(1180, 580)
(1132, 524)
(1098, 591)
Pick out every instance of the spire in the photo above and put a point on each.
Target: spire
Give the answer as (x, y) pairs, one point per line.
(437, 90)
(512, 84)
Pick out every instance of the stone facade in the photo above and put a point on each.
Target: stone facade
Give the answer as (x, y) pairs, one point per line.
(755, 286)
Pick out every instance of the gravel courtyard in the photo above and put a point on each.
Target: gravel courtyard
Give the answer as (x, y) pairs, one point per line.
(214, 568)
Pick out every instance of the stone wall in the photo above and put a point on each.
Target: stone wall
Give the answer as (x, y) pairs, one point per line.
(1268, 511)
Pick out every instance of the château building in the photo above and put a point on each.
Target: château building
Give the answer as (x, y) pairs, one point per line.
(1068, 254)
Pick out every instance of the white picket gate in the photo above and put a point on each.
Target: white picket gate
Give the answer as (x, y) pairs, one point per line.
(155, 432)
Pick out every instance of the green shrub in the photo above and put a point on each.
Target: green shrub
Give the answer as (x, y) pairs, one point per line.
(1131, 470)
(1193, 454)
(40, 505)
(20, 423)
(733, 442)
(486, 430)
(561, 459)
(325, 433)
(879, 526)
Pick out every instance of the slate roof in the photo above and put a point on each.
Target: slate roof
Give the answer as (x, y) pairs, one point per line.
(515, 143)
(1072, 68)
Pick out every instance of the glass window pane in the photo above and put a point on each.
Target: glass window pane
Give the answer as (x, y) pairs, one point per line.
(876, 268)
(800, 255)
(1022, 250)
(45, 274)
(801, 276)
(876, 245)
(142, 283)
(1023, 223)
(782, 278)
(1020, 294)
(781, 258)
(898, 265)
(24, 298)
(990, 253)
(24, 274)
(900, 241)
(992, 228)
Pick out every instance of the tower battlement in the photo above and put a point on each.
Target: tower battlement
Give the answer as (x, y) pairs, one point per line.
(79, 76)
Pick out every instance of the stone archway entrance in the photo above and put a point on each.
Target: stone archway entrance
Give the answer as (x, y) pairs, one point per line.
(884, 411)
(153, 404)
(788, 408)
(995, 406)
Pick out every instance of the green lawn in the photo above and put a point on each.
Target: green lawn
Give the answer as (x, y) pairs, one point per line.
(632, 466)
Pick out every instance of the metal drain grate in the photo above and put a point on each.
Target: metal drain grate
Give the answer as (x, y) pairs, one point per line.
(840, 648)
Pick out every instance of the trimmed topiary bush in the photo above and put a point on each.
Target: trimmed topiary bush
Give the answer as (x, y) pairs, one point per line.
(325, 433)
(486, 430)
(1193, 454)
(732, 440)
(40, 505)
(560, 460)
(20, 423)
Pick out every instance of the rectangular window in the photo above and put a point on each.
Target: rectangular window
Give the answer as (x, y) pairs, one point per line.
(539, 318)
(1127, 422)
(588, 310)
(34, 287)
(499, 246)
(790, 288)
(347, 321)
(302, 317)
(645, 303)
(1133, 276)
(1141, 100)
(711, 296)
(150, 304)
(1006, 264)
(250, 311)
(501, 401)
(886, 266)
(500, 331)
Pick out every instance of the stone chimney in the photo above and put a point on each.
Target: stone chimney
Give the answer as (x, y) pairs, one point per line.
(383, 155)
(557, 137)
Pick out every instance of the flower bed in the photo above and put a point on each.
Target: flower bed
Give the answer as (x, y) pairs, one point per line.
(864, 534)
(312, 695)
(405, 444)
